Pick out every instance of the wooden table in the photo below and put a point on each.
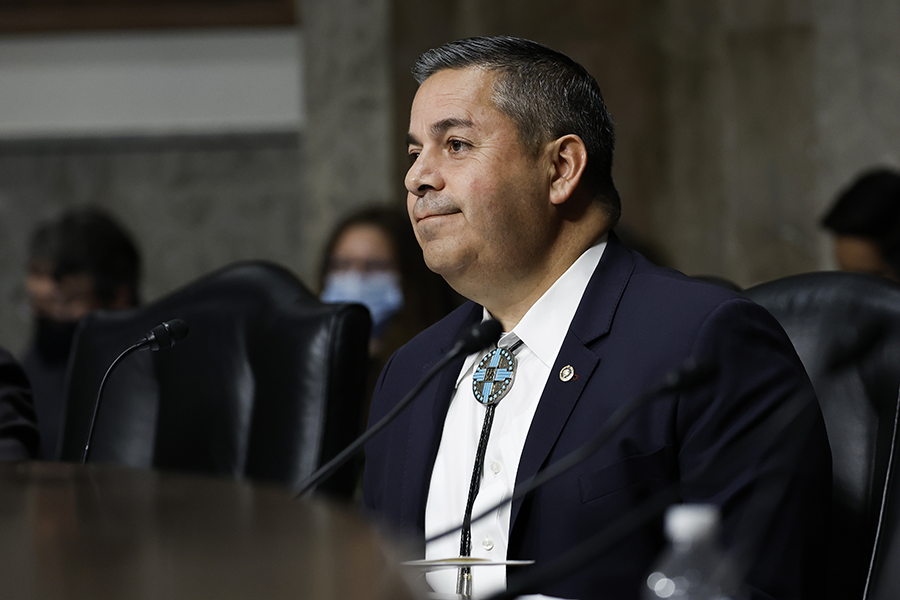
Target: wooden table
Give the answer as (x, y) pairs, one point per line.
(98, 531)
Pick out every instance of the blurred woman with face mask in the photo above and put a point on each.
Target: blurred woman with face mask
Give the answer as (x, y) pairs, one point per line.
(372, 258)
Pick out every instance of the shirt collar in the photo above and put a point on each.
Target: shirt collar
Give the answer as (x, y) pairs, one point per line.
(544, 326)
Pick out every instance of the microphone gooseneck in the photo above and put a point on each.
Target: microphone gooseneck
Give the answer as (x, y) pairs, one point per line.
(477, 337)
(164, 335)
(692, 373)
(849, 345)
(753, 523)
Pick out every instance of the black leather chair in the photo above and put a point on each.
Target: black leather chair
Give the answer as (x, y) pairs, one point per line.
(852, 319)
(268, 385)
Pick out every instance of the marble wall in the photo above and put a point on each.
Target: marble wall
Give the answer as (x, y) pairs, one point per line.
(738, 174)
(349, 98)
(738, 121)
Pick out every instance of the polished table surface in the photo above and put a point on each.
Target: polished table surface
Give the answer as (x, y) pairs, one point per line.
(99, 531)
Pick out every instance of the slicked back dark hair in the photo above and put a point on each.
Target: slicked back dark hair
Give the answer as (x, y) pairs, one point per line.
(545, 93)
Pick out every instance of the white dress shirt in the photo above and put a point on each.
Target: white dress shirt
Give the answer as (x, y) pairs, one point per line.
(542, 329)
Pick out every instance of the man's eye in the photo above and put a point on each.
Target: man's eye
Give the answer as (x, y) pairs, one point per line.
(456, 145)
(412, 157)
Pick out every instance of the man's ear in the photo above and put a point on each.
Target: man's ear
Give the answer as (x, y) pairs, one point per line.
(568, 159)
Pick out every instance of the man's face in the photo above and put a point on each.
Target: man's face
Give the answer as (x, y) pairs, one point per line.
(478, 201)
(66, 300)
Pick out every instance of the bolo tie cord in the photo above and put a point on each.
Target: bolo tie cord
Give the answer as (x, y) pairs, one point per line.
(465, 541)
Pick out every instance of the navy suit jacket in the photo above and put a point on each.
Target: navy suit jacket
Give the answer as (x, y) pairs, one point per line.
(724, 442)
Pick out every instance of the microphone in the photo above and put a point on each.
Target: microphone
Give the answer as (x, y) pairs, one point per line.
(477, 337)
(164, 335)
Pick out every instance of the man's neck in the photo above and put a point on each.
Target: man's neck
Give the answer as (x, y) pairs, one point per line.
(515, 299)
(512, 306)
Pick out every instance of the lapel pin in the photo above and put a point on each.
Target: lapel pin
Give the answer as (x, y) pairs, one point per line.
(567, 373)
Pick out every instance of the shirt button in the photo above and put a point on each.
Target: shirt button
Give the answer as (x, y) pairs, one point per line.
(487, 544)
(495, 467)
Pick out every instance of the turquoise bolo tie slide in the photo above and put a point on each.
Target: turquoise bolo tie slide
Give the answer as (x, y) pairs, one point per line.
(494, 376)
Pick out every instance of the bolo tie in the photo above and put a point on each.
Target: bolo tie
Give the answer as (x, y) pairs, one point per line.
(492, 380)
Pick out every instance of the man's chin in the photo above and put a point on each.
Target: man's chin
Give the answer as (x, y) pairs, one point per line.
(441, 260)
(440, 267)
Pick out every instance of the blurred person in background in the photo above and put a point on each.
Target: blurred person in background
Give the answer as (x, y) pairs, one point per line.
(372, 258)
(19, 438)
(865, 220)
(80, 262)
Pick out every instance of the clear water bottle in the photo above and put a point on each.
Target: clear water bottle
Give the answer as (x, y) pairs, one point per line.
(693, 567)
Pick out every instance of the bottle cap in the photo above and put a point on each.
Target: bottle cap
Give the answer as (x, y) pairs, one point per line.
(687, 522)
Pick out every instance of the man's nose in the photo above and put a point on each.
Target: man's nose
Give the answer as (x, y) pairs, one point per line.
(423, 175)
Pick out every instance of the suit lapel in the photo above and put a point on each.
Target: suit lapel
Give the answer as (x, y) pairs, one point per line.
(592, 320)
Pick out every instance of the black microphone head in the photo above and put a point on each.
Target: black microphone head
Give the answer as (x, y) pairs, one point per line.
(480, 335)
(178, 329)
(166, 335)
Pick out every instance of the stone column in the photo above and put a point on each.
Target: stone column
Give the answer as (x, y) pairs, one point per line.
(347, 143)
(741, 140)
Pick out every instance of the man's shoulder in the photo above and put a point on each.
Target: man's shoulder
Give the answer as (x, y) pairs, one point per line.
(664, 302)
(668, 287)
(652, 274)
(630, 278)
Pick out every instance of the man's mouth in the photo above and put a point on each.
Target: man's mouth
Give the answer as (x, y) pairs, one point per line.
(435, 207)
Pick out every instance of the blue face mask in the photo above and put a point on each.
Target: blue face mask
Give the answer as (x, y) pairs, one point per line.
(379, 291)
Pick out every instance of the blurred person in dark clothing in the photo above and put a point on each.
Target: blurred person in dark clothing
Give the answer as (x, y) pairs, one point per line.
(865, 220)
(372, 258)
(19, 438)
(80, 262)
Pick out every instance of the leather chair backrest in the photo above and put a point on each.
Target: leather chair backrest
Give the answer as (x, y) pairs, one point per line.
(268, 384)
(853, 320)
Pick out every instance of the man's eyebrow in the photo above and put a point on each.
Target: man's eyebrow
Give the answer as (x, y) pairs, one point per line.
(449, 123)
(440, 128)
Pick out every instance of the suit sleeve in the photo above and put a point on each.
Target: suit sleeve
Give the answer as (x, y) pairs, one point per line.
(755, 445)
(19, 439)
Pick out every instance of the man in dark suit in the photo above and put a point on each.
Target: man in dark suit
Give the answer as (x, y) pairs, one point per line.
(512, 200)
